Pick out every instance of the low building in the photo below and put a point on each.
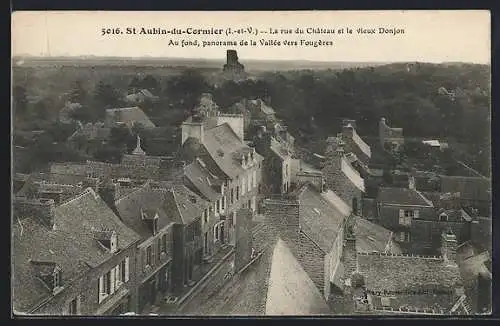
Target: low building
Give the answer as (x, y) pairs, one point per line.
(89, 138)
(76, 258)
(378, 283)
(140, 97)
(128, 117)
(397, 209)
(475, 191)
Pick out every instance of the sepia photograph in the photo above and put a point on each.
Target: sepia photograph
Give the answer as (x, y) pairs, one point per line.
(308, 163)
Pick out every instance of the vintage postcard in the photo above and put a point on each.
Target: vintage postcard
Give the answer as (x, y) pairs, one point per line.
(333, 163)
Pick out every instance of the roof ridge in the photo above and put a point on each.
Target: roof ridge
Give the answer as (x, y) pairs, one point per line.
(399, 255)
(87, 191)
(143, 187)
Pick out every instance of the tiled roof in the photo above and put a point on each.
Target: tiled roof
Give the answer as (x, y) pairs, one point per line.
(352, 175)
(189, 205)
(290, 290)
(319, 219)
(373, 237)
(32, 240)
(279, 149)
(128, 116)
(275, 284)
(92, 131)
(70, 245)
(146, 199)
(86, 212)
(403, 273)
(361, 144)
(202, 180)
(221, 143)
(402, 196)
(337, 202)
(475, 188)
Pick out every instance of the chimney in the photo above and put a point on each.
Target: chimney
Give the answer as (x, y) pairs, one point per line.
(350, 253)
(193, 128)
(411, 182)
(43, 209)
(449, 247)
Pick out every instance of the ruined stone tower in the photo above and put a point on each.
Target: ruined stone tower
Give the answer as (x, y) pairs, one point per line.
(232, 65)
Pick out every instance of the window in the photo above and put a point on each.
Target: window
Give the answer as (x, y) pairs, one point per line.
(250, 203)
(205, 242)
(164, 243)
(57, 278)
(158, 252)
(148, 256)
(232, 196)
(217, 206)
(286, 170)
(106, 285)
(243, 185)
(404, 236)
(74, 306)
(205, 215)
(237, 192)
(443, 217)
(255, 178)
(223, 204)
(405, 217)
(249, 183)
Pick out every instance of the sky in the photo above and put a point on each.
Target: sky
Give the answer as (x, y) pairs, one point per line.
(429, 35)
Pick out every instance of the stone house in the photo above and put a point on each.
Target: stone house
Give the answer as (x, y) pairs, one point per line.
(379, 283)
(143, 211)
(354, 143)
(277, 171)
(76, 258)
(397, 209)
(341, 177)
(236, 165)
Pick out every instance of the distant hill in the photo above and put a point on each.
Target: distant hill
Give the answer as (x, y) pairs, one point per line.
(250, 65)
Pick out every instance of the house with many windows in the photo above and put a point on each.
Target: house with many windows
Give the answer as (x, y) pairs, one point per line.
(397, 209)
(75, 258)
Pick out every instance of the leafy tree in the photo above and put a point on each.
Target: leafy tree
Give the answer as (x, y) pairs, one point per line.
(107, 96)
(78, 94)
(149, 82)
(19, 100)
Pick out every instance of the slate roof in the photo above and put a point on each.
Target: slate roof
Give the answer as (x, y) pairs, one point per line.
(92, 131)
(146, 199)
(275, 284)
(86, 212)
(33, 241)
(70, 244)
(189, 206)
(403, 273)
(319, 219)
(474, 188)
(372, 237)
(128, 116)
(220, 144)
(202, 180)
(290, 290)
(402, 196)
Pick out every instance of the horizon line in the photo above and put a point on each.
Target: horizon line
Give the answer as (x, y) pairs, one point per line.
(223, 59)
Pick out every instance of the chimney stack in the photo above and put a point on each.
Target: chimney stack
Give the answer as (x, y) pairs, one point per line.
(449, 247)
(350, 253)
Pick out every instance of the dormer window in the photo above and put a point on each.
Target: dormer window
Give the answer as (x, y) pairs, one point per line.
(108, 239)
(155, 224)
(443, 217)
(50, 274)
